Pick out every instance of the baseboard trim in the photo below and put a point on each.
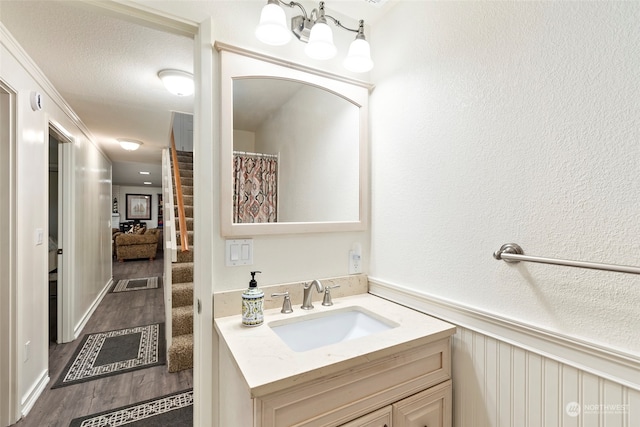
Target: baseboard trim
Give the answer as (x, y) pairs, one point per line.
(77, 330)
(30, 398)
(616, 366)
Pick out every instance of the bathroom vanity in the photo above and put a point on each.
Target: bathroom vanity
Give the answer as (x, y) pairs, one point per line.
(364, 361)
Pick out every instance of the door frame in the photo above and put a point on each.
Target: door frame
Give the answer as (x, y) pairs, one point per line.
(205, 384)
(9, 404)
(65, 332)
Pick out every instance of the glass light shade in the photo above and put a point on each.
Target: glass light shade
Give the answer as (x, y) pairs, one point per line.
(177, 82)
(320, 45)
(358, 58)
(129, 144)
(272, 28)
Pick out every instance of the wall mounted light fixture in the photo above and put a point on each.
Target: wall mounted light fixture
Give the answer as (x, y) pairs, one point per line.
(129, 144)
(313, 30)
(177, 82)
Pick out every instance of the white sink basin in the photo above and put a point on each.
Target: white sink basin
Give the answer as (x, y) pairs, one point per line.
(320, 329)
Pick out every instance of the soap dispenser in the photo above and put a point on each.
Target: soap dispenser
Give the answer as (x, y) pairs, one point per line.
(253, 303)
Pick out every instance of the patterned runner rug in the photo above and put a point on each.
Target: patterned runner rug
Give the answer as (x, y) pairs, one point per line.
(139, 284)
(109, 353)
(172, 410)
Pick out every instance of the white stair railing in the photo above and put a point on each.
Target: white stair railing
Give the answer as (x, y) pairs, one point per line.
(170, 244)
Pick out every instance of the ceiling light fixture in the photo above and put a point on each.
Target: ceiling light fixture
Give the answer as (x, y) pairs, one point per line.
(129, 144)
(144, 173)
(314, 31)
(177, 82)
(147, 183)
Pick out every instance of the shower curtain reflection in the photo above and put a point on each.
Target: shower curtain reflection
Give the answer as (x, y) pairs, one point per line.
(255, 192)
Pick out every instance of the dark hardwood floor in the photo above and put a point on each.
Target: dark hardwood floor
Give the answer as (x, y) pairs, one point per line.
(59, 406)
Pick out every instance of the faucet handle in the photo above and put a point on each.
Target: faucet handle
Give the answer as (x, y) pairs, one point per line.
(286, 304)
(327, 295)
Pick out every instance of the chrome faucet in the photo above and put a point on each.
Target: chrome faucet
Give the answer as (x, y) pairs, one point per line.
(306, 299)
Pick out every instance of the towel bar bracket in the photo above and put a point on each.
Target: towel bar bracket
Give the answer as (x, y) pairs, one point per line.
(509, 248)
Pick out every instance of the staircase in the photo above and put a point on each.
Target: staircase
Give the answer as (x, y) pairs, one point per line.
(180, 355)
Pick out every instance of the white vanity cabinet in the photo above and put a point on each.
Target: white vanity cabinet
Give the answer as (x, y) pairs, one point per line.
(413, 387)
(399, 377)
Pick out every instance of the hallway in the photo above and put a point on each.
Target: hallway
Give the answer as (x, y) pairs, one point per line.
(59, 406)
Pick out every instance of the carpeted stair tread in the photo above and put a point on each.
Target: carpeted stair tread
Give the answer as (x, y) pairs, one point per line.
(186, 256)
(187, 190)
(188, 212)
(180, 354)
(186, 174)
(182, 294)
(190, 237)
(182, 320)
(186, 200)
(186, 182)
(182, 272)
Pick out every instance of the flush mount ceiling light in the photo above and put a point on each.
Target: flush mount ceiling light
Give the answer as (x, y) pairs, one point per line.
(129, 144)
(314, 31)
(177, 82)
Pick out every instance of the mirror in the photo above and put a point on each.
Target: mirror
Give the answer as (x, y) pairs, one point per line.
(294, 148)
(312, 135)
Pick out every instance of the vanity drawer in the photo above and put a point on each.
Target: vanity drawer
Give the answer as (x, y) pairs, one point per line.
(379, 418)
(349, 394)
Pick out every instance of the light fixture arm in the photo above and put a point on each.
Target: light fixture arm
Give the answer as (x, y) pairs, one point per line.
(359, 30)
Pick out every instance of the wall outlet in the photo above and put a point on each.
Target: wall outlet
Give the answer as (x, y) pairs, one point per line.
(355, 263)
(27, 346)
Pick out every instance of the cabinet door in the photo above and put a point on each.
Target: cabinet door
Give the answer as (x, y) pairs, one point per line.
(379, 418)
(429, 408)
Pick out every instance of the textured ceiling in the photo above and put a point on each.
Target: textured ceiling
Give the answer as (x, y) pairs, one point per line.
(106, 69)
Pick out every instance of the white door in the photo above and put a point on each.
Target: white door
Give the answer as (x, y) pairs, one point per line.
(60, 228)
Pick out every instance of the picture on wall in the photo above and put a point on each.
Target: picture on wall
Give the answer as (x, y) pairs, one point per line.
(138, 206)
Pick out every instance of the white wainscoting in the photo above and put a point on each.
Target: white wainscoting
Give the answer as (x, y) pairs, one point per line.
(505, 374)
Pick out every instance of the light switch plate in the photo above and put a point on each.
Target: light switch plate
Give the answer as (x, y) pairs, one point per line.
(239, 252)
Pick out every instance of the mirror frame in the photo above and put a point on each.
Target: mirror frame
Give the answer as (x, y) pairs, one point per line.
(242, 63)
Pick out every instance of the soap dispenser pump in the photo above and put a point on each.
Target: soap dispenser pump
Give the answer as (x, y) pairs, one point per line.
(253, 303)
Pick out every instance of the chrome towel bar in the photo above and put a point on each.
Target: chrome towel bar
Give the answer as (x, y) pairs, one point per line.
(512, 252)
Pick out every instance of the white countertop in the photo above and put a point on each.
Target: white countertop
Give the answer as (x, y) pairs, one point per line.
(268, 364)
